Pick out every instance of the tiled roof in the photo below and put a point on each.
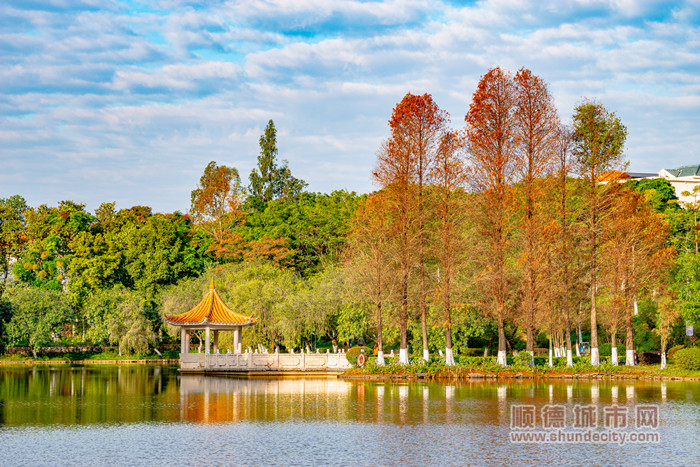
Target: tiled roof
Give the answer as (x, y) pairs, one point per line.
(211, 310)
(612, 176)
(685, 171)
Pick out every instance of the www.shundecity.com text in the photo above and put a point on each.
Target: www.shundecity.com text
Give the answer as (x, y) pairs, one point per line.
(585, 420)
(584, 437)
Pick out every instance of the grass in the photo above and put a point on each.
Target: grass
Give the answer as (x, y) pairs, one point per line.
(474, 367)
(88, 356)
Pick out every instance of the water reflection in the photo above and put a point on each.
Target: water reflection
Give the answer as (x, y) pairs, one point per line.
(136, 410)
(126, 394)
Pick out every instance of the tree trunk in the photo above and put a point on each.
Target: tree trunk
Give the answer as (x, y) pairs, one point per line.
(629, 341)
(663, 354)
(595, 357)
(380, 344)
(424, 325)
(502, 357)
(569, 356)
(449, 356)
(403, 321)
(613, 348)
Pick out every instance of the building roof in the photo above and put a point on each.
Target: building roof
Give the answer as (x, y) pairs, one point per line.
(685, 171)
(211, 311)
(612, 176)
(635, 175)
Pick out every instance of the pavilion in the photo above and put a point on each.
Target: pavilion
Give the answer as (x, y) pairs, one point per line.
(211, 314)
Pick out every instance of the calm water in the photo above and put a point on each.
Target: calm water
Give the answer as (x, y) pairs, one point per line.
(150, 415)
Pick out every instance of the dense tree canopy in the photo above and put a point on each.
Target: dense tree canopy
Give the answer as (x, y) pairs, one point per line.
(508, 233)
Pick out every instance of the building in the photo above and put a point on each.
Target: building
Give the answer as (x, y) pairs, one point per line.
(683, 179)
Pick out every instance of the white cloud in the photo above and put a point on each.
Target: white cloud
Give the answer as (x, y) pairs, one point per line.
(99, 99)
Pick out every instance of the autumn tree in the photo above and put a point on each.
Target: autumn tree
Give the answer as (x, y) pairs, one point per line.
(217, 208)
(492, 155)
(369, 258)
(537, 131)
(403, 165)
(598, 139)
(269, 180)
(449, 176)
(634, 257)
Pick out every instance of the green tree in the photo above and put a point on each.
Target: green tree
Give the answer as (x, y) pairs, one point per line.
(687, 286)
(306, 234)
(270, 181)
(38, 316)
(97, 262)
(598, 139)
(12, 229)
(49, 232)
(159, 253)
(119, 316)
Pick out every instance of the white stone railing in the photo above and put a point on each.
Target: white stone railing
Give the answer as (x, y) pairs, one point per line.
(265, 362)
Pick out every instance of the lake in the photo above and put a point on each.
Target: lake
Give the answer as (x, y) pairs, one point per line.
(151, 415)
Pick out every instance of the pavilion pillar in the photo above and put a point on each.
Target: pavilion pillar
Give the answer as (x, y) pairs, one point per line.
(183, 340)
(216, 341)
(207, 340)
(236, 338)
(187, 341)
(239, 341)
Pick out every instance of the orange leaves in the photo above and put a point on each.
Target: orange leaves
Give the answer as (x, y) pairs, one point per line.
(491, 132)
(416, 126)
(218, 193)
(217, 206)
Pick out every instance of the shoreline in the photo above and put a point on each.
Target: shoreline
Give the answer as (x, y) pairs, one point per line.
(125, 361)
(437, 377)
(405, 377)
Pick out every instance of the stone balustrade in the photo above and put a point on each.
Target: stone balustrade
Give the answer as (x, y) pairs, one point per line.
(255, 362)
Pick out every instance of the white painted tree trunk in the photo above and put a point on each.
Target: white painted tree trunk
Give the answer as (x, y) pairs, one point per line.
(501, 359)
(532, 358)
(578, 350)
(629, 357)
(663, 360)
(613, 352)
(595, 356)
(551, 362)
(403, 356)
(380, 358)
(426, 355)
(449, 357)
(569, 358)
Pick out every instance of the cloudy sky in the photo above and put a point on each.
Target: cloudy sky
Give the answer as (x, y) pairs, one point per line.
(127, 101)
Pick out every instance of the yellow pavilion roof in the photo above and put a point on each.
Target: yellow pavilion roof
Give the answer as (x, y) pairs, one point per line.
(211, 310)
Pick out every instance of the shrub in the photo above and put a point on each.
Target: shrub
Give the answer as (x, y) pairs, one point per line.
(474, 361)
(605, 350)
(673, 350)
(522, 358)
(471, 352)
(688, 359)
(355, 352)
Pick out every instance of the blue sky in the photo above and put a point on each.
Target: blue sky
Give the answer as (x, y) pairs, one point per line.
(127, 101)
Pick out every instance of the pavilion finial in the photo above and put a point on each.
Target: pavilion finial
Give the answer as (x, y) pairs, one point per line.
(211, 286)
